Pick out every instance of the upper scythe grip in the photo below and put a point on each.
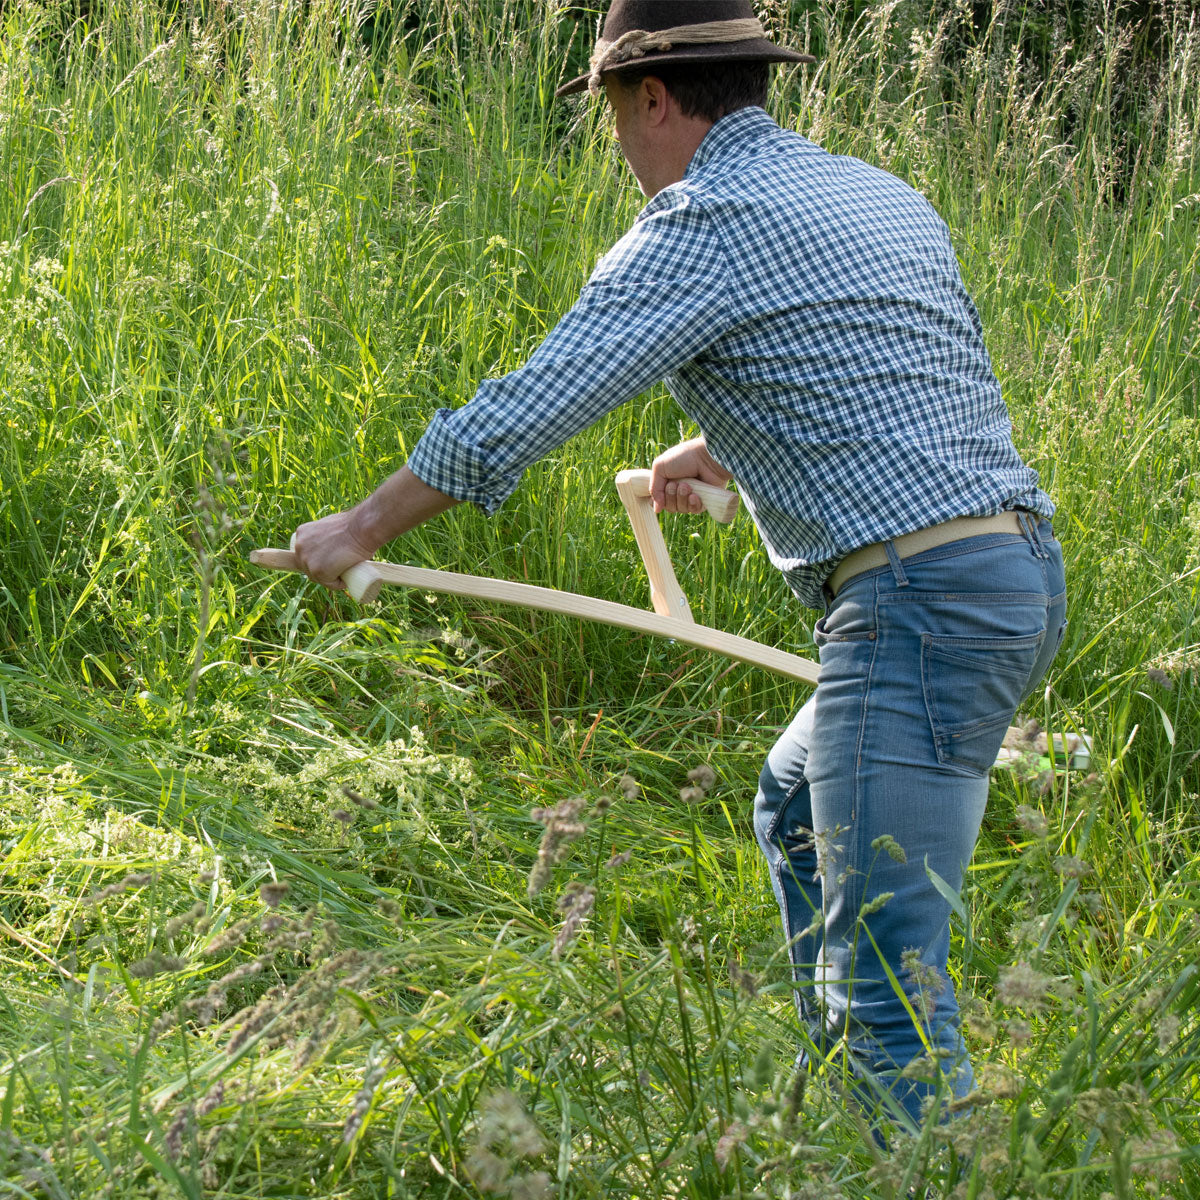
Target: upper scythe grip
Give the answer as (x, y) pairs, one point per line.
(634, 489)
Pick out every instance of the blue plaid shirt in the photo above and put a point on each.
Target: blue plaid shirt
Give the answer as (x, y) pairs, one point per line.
(806, 310)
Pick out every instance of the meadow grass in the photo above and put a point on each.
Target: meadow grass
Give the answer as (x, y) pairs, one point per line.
(297, 899)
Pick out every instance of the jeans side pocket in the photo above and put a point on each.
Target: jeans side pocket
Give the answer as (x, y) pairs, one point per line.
(849, 618)
(972, 688)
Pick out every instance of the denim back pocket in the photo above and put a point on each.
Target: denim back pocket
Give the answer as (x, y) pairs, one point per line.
(972, 688)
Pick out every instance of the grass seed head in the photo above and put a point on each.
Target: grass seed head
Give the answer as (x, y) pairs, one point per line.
(1019, 1031)
(728, 1142)
(927, 981)
(173, 1138)
(155, 964)
(487, 1170)
(1021, 986)
(272, 894)
(1000, 1082)
(185, 920)
(1032, 820)
(872, 906)
(358, 798)
(140, 879)
(562, 828)
(163, 1023)
(214, 1097)
(231, 938)
(1071, 867)
(362, 1101)
(575, 904)
(506, 1134)
(888, 845)
(534, 1186)
(1166, 1030)
(744, 981)
(1156, 1156)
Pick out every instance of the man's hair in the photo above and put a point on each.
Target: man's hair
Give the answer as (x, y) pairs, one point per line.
(708, 90)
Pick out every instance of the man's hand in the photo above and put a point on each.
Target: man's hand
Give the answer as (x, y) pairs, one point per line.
(688, 460)
(325, 548)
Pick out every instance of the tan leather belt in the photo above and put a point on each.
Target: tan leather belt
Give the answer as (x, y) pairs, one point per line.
(908, 544)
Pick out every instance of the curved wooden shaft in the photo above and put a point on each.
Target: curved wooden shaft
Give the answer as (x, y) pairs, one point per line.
(364, 580)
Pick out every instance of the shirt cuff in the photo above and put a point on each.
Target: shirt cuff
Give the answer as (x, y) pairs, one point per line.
(443, 461)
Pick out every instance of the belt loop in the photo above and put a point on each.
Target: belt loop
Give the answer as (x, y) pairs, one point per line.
(1032, 536)
(1035, 523)
(1024, 524)
(894, 562)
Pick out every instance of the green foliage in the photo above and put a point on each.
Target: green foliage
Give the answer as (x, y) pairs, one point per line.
(248, 250)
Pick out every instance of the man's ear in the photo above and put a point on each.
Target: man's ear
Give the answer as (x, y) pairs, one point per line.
(656, 100)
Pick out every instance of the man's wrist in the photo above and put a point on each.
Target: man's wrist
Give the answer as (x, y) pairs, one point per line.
(702, 446)
(400, 503)
(367, 527)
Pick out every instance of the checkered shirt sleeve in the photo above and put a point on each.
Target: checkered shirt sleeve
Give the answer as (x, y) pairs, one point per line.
(653, 303)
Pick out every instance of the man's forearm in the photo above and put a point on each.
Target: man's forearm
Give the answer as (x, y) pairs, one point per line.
(325, 548)
(400, 503)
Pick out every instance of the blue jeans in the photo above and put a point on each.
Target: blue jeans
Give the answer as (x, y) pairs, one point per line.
(923, 664)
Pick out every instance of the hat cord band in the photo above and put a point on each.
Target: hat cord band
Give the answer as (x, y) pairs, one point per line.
(636, 42)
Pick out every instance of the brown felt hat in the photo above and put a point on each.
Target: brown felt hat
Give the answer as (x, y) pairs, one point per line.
(645, 33)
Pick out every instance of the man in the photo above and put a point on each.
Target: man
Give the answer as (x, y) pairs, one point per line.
(807, 311)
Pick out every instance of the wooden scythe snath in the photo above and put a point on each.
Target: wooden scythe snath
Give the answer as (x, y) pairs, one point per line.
(671, 618)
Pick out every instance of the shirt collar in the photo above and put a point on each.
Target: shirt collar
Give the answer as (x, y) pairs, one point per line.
(732, 130)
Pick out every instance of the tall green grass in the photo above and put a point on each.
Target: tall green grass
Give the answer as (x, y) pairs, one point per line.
(246, 251)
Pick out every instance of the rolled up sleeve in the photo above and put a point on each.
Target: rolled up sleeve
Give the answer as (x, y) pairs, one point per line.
(655, 301)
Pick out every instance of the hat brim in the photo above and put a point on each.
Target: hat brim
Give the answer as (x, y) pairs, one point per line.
(759, 50)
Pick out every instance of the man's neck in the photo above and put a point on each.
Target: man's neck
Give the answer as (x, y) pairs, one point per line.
(688, 136)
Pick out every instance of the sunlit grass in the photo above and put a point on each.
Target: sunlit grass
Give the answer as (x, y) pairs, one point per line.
(246, 253)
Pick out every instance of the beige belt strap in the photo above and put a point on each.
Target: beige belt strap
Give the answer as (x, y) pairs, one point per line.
(908, 544)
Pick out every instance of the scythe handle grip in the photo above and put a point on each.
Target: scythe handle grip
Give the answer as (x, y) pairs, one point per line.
(362, 580)
(720, 503)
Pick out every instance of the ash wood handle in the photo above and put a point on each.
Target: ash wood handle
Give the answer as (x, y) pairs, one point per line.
(720, 503)
(274, 560)
(362, 580)
(665, 593)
